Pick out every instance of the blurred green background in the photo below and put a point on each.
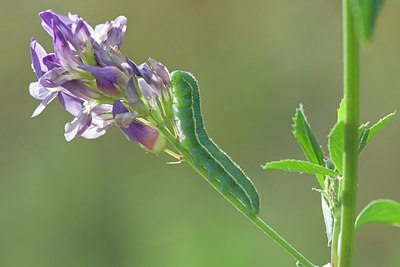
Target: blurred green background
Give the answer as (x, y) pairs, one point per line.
(106, 202)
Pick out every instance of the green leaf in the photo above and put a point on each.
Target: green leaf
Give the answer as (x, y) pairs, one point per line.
(300, 166)
(304, 136)
(380, 211)
(336, 139)
(363, 133)
(336, 145)
(341, 110)
(366, 14)
(379, 125)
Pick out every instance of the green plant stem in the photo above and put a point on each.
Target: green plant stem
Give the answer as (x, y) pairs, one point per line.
(256, 220)
(348, 191)
(335, 240)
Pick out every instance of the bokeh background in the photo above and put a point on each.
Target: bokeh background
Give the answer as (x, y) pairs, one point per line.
(106, 202)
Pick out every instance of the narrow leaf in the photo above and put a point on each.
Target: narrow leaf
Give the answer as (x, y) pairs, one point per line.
(362, 128)
(363, 133)
(336, 145)
(300, 166)
(366, 14)
(380, 211)
(304, 136)
(379, 125)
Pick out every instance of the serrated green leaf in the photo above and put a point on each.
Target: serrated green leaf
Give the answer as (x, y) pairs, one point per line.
(306, 139)
(304, 136)
(366, 14)
(341, 110)
(336, 145)
(379, 125)
(380, 211)
(300, 166)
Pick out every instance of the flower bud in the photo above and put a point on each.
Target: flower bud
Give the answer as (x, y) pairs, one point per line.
(147, 136)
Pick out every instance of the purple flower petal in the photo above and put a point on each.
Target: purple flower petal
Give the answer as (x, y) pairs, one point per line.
(81, 34)
(38, 91)
(78, 126)
(50, 97)
(79, 89)
(49, 16)
(74, 29)
(46, 95)
(107, 78)
(63, 51)
(132, 94)
(39, 109)
(146, 72)
(117, 31)
(116, 56)
(65, 30)
(76, 19)
(161, 71)
(93, 132)
(102, 114)
(123, 120)
(146, 135)
(71, 103)
(108, 57)
(111, 34)
(55, 77)
(103, 58)
(51, 61)
(101, 122)
(147, 90)
(37, 55)
(119, 108)
(134, 67)
(152, 79)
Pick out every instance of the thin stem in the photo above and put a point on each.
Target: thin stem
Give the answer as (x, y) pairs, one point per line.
(263, 226)
(348, 192)
(172, 154)
(335, 240)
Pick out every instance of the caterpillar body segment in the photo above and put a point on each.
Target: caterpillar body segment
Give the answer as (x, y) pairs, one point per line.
(205, 153)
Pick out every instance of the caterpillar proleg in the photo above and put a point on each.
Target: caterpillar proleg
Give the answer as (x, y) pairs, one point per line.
(205, 152)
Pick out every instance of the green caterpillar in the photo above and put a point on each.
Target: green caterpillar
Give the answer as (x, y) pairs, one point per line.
(205, 152)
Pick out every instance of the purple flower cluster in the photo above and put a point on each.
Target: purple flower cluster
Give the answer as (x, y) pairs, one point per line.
(95, 83)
